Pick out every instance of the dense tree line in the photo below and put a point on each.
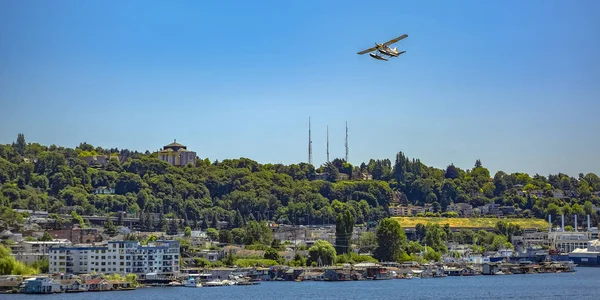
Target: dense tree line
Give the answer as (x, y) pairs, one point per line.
(33, 176)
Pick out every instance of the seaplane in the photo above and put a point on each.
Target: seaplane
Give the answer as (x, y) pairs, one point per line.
(385, 49)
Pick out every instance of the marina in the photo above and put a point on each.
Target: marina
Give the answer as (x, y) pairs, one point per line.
(60, 283)
(581, 284)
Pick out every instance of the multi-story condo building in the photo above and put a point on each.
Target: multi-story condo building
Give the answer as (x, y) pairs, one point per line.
(31, 251)
(122, 257)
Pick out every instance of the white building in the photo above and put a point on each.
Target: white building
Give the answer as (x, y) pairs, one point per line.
(32, 251)
(161, 257)
(563, 241)
(569, 241)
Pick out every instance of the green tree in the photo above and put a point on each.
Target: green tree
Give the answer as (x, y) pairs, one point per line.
(258, 232)
(225, 236)
(46, 237)
(368, 242)
(162, 222)
(10, 266)
(201, 262)
(431, 255)
(212, 234)
(390, 240)
(343, 230)
(272, 253)
(110, 228)
(298, 261)
(173, 227)
(435, 237)
(452, 172)
(20, 144)
(11, 217)
(187, 231)
(332, 172)
(43, 265)
(76, 218)
(321, 253)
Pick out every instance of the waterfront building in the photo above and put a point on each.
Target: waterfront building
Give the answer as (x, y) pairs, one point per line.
(121, 257)
(569, 241)
(41, 285)
(32, 251)
(177, 155)
(588, 256)
(563, 241)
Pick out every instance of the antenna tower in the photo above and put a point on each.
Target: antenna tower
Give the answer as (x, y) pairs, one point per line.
(346, 141)
(327, 143)
(309, 144)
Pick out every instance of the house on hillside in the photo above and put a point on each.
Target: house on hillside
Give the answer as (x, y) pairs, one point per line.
(177, 155)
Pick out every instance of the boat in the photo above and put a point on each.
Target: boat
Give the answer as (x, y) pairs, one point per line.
(175, 283)
(214, 283)
(191, 282)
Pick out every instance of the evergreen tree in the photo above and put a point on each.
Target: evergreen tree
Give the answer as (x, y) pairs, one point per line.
(239, 220)
(150, 223)
(110, 228)
(46, 237)
(20, 144)
(343, 230)
(173, 228)
(451, 172)
(120, 219)
(162, 223)
(142, 222)
(215, 222)
(391, 239)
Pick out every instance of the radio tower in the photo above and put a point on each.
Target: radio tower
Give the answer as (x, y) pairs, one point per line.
(309, 144)
(346, 141)
(327, 143)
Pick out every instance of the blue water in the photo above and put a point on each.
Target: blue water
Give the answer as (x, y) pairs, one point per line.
(583, 284)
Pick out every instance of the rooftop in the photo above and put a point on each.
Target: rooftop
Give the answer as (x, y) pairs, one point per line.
(175, 144)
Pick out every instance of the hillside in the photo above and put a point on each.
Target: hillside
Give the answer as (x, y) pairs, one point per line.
(58, 179)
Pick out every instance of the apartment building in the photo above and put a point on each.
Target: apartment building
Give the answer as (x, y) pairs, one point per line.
(462, 209)
(405, 210)
(32, 251)
(122, 257)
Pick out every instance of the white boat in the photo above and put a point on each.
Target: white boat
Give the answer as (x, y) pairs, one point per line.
(191, 282)
(213, 283)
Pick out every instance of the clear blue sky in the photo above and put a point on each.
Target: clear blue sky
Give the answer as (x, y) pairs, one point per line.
(513, 83)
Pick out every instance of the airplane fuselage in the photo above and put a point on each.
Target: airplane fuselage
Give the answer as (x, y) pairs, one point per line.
(389, 51)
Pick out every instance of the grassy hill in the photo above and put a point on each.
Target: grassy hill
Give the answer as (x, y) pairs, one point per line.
(411, 222)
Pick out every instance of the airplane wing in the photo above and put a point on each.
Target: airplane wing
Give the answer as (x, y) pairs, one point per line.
(367, 51)
(395, 40)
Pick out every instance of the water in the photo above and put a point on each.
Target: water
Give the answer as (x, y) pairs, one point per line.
(580, 285)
